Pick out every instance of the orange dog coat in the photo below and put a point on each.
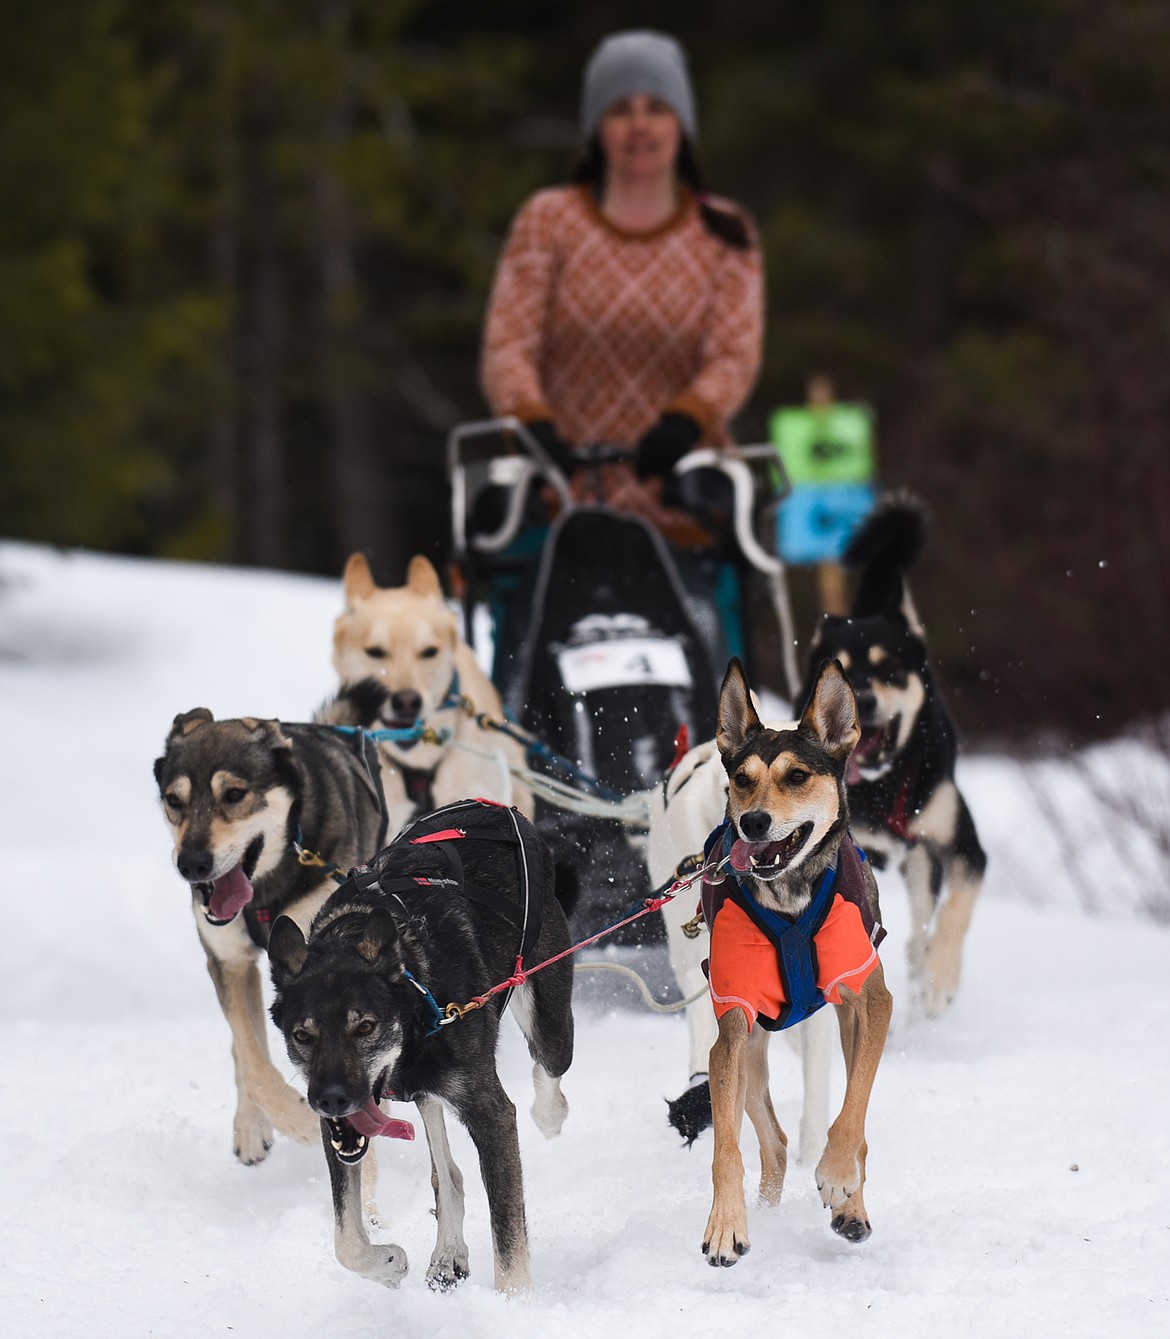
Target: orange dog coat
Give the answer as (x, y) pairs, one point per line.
(747, 970)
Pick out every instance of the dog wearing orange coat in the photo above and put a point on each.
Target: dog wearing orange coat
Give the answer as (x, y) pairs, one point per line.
(795, 924)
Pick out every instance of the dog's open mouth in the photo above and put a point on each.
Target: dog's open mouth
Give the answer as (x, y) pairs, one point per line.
(767, 860)
(348, 1143)
(402, 723)
(224, 898)
(873, 751)
(350, 1135)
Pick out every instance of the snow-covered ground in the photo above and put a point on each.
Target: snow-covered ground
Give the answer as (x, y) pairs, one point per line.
(1019, 1168)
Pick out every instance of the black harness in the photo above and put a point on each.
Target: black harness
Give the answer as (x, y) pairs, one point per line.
(446, 831)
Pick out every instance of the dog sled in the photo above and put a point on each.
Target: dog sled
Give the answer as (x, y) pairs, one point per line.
(608, 644)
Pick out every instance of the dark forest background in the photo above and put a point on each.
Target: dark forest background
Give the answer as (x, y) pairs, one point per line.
(245, 247)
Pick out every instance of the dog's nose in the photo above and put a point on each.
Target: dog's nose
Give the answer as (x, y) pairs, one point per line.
(755, 824)
(195, 866)
(332, 1100)
(866, 704)
(406, 704)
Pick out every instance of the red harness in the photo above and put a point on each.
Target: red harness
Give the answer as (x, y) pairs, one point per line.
(898, 819)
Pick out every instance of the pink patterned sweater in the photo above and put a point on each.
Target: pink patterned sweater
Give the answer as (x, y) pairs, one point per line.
(603, 330)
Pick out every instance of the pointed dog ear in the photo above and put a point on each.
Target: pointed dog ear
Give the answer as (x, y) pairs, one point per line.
(187, 721)
(830, 715)
(737, 717)
(287, 950)
(274, 734)
(268, 732)
(380, 937)
(358, 580)
(422, 579)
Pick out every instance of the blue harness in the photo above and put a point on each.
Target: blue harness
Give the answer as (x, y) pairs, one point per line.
(793, 940)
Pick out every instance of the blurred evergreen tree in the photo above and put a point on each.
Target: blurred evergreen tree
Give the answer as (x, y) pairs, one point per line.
(93, 369)
(246, 246)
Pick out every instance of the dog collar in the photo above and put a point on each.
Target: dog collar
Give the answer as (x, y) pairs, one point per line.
(454, 696)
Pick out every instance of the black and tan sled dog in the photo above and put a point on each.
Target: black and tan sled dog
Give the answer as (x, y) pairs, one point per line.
(903, 800)
(794, 925)
(261, 814)
(439, 917)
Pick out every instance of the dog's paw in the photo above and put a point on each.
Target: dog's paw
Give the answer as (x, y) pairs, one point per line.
(448, 1269)
(297, 1121)
(690, 1114)
(381, 1264)
(851, 1226)
(771, 1189)
(252, 1138)
(938, 976)
(838, 1177)
(936, 995)
(551, 1107)
(928, 1001)
(726, 1239)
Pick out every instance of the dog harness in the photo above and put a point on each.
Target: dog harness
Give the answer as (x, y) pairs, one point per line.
(898, 818)
(779, 969)
(438, 832)
(418, 782)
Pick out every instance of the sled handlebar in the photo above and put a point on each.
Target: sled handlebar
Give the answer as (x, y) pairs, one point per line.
(533, 460)
(517, 470)
(754, 471)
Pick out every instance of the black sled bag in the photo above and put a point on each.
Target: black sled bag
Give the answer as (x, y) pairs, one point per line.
(613, 666)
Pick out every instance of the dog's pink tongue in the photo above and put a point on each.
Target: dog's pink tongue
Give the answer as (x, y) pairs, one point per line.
(230, 894)
(372, 1122)
(741, 855)
(852, 770)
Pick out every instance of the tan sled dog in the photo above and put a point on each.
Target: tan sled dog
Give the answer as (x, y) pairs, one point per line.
(796, 925)
(401, 661)
(683, 810)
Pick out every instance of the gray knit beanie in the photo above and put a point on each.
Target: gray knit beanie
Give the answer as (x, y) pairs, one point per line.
(639, 61)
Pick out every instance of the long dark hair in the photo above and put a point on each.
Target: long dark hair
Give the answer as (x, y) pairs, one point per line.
(722, 223)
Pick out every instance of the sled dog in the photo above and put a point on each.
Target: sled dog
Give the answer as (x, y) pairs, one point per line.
(683, 810)
(903, 801)
(794, 924)
(259, 813)
(438, 918)
(401, 662)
